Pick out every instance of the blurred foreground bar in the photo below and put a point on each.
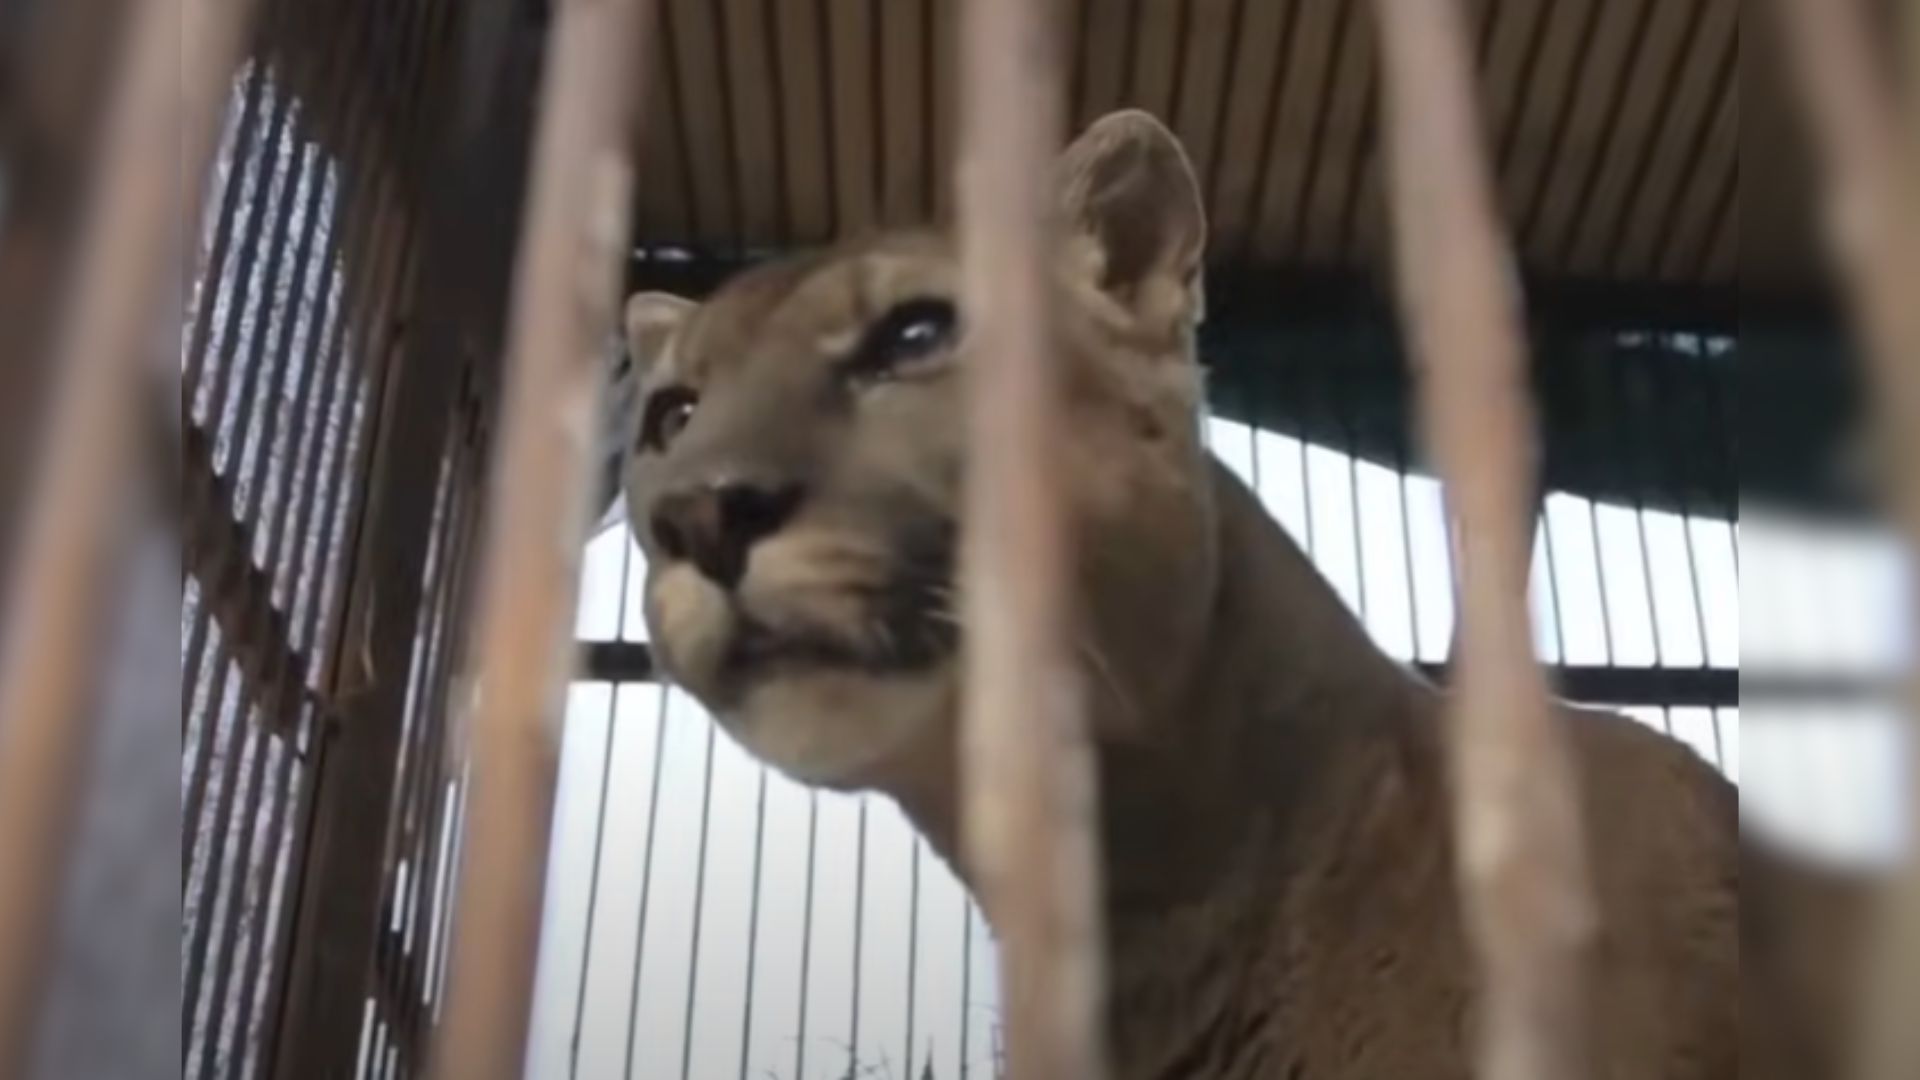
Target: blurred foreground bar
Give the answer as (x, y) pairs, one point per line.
(572, 248)
(1028, 815)
(175, 67)
(1516, 814)
(1871, 213)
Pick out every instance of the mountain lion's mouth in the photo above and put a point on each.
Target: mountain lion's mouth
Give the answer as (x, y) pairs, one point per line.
(903, 623)
(901, 636)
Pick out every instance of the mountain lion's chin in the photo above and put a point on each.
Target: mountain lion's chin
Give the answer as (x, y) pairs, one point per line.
(838, 729)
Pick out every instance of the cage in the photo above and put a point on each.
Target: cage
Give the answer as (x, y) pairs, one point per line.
(342, 383)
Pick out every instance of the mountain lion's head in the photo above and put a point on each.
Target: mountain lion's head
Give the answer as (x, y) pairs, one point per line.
(795, 452)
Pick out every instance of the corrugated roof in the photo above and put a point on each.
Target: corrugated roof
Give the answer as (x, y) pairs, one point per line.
(1615, 124)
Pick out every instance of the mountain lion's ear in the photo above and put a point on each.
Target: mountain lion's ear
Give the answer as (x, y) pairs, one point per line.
(649, 319)
(1126, 184)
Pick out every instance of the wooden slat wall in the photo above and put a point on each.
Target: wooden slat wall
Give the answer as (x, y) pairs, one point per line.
(1614, 124)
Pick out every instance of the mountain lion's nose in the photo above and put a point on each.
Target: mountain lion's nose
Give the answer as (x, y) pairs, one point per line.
(714, 525)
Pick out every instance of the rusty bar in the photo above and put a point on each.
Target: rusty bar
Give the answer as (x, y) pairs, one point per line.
(373, 329)
(276, 682)
(316, 998)
(1522, 872)
(162, 118)
(572, 249)
(1029, 817)
(1869, 158)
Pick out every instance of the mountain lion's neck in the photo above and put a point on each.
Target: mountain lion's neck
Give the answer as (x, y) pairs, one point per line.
(1288, 685)
(1278, 707)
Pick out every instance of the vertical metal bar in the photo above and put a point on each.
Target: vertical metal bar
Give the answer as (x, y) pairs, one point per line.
(806, 932)
(646, 877)
(1600, 583)
(1298, 392)
(573, 242)
(593, 881)
(966, 984)
(1870, 158)
(1028, 821)
(1544, 520)
(1682, 492)
(367, 257)
(913, 945)
(1343, 417)
(753, 920)
(699, 907)
(859, 936)
(155, 127)
(1619, 406)
(1400, 478)
(1516, 816)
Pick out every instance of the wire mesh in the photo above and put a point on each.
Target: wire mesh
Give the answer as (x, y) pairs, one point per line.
(307, 256)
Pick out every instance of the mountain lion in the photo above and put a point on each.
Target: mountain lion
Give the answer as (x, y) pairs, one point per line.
(1278, 884)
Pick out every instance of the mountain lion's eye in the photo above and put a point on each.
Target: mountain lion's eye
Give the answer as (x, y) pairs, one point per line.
(668, 410)
(909, 332)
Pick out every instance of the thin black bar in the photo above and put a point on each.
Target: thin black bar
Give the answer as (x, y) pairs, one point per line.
(449, 647)
(1724, 83)
(966, 983)
(353, 229)
(1561, 120)
(1553, 581)
(699, 908)
(1599, 579)
(773, 57)
(1683, 499)
(1343, 417)
(913, 947)
(1628, 451)
(1269, 120)
(239, 161)
(646, 878)
(877, 107)
(1221, 110)
(1529, 70)
(859, 932)
(593, 883)
(1316, 145)
(1647, 152)
(753, 919)
(599, 829)
(806, 932)
(730, 140)
(1178, 91)
(1609, 128)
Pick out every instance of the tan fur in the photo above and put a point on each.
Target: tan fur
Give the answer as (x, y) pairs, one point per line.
(1279, 881)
